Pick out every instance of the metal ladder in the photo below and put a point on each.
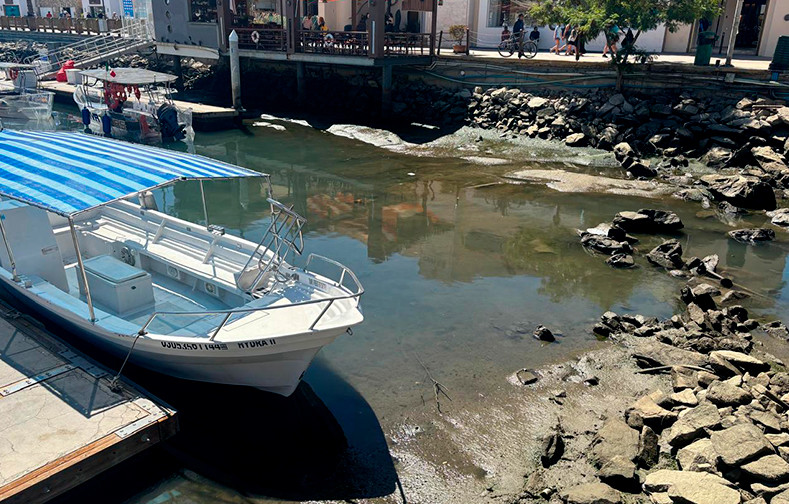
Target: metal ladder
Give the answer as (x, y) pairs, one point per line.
(284, 234)
(135, 34)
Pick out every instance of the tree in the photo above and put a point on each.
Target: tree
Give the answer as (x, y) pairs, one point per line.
(595, 16)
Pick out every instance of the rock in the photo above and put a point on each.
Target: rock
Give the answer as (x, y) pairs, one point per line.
(591, 493)
(536, 102)
(605, 245)
(552, 448)
(723, 394)
(646, 411)
(777, 440)
(752, 235)
(768, 159)
(623, 150)
(614, 439)
(685, 398)
(692, 424)
(689, 487)
(770, 468)
(617, 471)
(698, 456)
(740, 443)
(542, 333)
(668, 254)
(575, 140)
(526, 377)
(740, 190)
(648, 220)
(780, 217)
(639, 169)
(683, 378)
(768, 419)
(616, 100)
(706, 378)
(648, 450)
(621, 261)
(740, 360)
(716, 156)
(781, 498)
(654, 353)
(710, 262)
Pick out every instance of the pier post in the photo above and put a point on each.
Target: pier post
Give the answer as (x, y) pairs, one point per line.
(301, 83)
(386, 90)
(735, 27)
(178, 71)
(235, 70)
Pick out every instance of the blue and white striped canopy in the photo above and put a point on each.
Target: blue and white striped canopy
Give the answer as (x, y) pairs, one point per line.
(67, 173)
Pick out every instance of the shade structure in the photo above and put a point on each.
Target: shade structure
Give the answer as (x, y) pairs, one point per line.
(68, 173)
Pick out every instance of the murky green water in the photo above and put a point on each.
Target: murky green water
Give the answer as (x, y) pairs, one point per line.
(458, 270)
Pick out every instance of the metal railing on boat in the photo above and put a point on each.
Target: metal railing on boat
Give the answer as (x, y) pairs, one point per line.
(345, 272)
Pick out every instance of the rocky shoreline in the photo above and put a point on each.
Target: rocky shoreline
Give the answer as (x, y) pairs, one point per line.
(714, 429)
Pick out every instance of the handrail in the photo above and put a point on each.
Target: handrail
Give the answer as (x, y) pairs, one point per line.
(229, 313)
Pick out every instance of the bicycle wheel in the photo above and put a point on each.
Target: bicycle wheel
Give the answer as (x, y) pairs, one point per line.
(506, 48)
(530, 50)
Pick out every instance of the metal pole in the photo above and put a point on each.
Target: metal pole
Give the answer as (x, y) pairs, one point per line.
(235, 70)
(205, 208)
(82, 269)
(8, 249)
(735, 27)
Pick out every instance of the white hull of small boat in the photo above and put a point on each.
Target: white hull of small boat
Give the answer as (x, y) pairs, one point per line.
(27, 106)
(179, 298)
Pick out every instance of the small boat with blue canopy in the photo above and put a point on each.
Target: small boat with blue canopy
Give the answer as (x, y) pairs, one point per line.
(85, 247)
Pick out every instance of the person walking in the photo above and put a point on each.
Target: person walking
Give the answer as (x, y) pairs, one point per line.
(558, 35)
(572, 42)
(611, 38)
(518, 31)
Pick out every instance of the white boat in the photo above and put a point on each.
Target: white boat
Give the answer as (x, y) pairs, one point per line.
(132, 104)
(85, 248)
(20, 97)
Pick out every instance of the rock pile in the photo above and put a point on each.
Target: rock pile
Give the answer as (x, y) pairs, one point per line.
(725, 425)
(19, 51)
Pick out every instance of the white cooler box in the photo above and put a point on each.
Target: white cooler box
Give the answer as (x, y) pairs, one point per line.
(116, 286)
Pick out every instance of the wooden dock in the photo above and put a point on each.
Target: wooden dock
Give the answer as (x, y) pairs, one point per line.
(204, 117)
(60, 423)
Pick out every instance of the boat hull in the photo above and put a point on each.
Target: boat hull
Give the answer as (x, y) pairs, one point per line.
(271, 364)
(26, 106)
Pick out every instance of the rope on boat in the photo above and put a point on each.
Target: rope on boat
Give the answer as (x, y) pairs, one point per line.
(114, 386)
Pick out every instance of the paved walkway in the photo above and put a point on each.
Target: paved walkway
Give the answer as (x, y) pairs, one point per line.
(596, 59)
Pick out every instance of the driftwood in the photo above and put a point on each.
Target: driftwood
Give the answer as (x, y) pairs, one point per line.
(438, 387)
(667, 368)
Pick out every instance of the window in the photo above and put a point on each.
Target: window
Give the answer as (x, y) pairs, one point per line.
(203, 11)
(500, 12)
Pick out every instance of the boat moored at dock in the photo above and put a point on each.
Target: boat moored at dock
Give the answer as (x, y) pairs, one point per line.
(20, 97)
(180, 298)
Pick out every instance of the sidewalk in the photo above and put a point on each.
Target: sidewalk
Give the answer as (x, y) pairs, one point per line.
(595, 60)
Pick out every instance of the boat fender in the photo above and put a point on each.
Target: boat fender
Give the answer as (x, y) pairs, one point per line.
(255, 37)
(85, 116)
(106, 125)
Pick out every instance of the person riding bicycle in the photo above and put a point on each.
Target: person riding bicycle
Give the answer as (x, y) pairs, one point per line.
(518, 31)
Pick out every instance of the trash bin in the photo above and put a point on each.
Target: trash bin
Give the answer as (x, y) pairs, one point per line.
(704, 48)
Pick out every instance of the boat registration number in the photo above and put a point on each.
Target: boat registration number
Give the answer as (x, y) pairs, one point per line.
(323, 286)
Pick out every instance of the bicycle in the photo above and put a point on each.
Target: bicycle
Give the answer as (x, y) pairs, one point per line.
(508, 47)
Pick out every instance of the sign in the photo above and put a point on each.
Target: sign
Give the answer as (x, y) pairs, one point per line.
(128, 8)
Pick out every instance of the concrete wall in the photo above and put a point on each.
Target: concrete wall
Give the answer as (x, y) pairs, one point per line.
(775, 25)
(336, 14)
(677, 42)
(177, 27)
(453, 12)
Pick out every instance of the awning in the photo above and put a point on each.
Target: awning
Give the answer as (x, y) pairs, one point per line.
(67, 173)
(129, 76)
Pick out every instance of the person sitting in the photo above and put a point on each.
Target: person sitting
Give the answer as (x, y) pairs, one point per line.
(389, 27)
(322, 24)
(362, 24)
(534, 36)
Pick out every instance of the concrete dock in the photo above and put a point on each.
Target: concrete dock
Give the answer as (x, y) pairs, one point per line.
(204, 117)
(60, 424)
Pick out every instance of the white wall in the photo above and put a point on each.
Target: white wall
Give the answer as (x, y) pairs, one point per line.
(774, 26)
(677, 42)
(453, 12)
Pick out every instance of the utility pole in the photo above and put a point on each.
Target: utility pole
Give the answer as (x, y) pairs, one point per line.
(735, 27)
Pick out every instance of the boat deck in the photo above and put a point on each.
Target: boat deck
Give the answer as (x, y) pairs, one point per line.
(62, 425)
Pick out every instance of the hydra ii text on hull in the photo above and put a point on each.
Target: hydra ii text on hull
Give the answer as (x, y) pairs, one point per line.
(132, 104)
(85, 247)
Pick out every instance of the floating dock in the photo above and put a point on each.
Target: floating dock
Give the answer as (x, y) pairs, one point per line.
(204, 117)
(60, 422)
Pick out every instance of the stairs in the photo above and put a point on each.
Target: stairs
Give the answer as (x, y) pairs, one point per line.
(135, 34)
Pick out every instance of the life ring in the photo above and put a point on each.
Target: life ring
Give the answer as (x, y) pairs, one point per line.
(255, 36)
(13, 73)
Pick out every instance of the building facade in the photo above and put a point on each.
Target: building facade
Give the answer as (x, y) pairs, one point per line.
(761, 23)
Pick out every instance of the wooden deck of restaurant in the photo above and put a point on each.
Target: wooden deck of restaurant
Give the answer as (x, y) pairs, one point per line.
(63, 423)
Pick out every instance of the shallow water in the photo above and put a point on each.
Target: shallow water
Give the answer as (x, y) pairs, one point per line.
(458, 267)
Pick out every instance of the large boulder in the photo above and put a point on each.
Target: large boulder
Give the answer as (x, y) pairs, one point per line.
(698, 456)
(740, 443)
(605, 245)
(780, 217)
(575, 140)
(692, 424)
(648, 220)
(613, 450)
(591, 493)
(741, 190)
(689, 487)
(752, 235)
(668, 254)
(725, 394)
(770, 468)
(741, 361)
(646, 411)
